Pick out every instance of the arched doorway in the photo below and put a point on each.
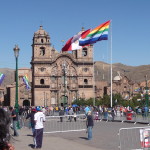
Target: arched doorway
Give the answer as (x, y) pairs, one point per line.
(26, 103)
(64, 100)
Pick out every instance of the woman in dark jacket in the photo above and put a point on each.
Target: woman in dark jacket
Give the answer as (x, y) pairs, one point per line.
(61, 113)
(31, 116)
(90, 124)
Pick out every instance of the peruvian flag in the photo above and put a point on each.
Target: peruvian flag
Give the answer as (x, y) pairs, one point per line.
(73, 43)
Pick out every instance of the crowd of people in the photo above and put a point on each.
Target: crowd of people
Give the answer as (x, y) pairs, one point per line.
(9, 117)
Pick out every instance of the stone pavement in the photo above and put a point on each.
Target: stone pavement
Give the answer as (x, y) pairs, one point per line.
(50, 142)
(105, 137)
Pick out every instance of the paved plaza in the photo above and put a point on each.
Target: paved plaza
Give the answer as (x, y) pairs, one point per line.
(105, 137)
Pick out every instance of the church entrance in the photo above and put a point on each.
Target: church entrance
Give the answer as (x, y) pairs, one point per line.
(64, 100)
(26, 103)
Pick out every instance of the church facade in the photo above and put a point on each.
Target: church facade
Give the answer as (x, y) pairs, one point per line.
(58, 78)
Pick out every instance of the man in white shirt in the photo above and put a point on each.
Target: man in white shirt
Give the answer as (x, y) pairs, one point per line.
(39, 118)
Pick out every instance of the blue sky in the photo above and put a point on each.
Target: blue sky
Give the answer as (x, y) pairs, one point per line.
(63, 18)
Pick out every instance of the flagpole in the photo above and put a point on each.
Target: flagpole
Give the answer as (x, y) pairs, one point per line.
(92, 37)
(83, 93)
(93, 78)
(111, 63)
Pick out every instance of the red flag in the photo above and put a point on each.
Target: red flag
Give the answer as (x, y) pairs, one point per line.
(73, 43)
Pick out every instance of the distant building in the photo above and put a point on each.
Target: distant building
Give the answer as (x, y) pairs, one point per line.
(24, 95)
(143, 86)
(1, 96)
(124, 86)
(101, 88)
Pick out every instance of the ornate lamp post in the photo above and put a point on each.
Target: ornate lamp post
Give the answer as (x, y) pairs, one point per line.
(16, 53)
(64, 73)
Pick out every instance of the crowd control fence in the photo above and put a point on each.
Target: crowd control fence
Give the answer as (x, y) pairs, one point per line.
(136, 138)
(134, 119)
(65, 123)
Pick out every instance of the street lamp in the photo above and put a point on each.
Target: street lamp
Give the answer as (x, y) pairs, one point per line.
(64, 73)
(146, 95)
(16, 53)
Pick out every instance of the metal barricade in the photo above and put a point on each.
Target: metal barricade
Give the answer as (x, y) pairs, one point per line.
(134, 119)
(136, 138)
(65, 123)
(143, 119)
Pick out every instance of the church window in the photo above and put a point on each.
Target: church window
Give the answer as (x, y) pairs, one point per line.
(85, 81)
(85, 69)
(42, 69)
(42, 41)
(42, 51)
(125, 88)
(84, 52)
(42, 81)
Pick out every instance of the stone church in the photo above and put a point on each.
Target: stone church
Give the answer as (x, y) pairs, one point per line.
(58, 78)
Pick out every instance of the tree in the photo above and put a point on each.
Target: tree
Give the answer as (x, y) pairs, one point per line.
(117, 99)
(106, 100)
(79, 102)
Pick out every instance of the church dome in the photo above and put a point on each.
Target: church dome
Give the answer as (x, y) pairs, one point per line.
(117, 78)
(41, 32)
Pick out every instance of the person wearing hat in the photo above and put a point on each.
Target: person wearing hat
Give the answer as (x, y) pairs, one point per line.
(39, 118)
(90, 124)
(31, 116)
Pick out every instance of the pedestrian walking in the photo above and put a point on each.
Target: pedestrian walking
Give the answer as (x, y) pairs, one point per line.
(39, 118)
(31, 116)
(61, 114)
(113, 114)
(70, 112)
(75, 116)
(14, 116)
(21, 120)
(86, 110)
(90, 124)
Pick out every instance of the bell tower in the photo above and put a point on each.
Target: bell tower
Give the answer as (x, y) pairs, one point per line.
(41, 58)
(41, 49)
(84, 57)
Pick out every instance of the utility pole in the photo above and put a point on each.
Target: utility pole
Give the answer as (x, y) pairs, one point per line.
(146, 94)
(44, 98)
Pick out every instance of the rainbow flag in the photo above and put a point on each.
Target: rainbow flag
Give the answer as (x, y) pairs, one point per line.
(26, 82)
(137, 90)
(97, 34)
(2, 76)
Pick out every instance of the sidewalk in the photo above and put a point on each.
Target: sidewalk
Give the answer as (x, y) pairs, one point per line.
(50, 142)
